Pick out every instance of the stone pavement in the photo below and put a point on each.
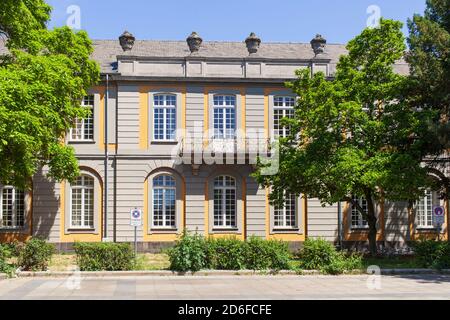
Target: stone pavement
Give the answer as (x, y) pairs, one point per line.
(230, 287)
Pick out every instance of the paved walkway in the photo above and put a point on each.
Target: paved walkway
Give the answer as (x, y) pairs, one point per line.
(230, 287)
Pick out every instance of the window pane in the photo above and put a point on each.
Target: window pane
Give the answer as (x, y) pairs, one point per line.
(357, 218)
(76, 207)
(158, 201)
(224, 117)
(164, 117)
(7, 207)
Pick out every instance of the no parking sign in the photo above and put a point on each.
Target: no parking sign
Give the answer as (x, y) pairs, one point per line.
(136, 217)
(438, 216)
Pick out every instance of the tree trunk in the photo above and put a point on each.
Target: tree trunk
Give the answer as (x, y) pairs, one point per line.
(372, 221)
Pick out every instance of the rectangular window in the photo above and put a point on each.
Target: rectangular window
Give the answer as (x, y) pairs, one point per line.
(164, 202)
(165, 123)
(283, 108)
(285, 217)
(83, 129)
(12, 209)
(358, 220)
(224, 202)
(424, 211)
(224, 117)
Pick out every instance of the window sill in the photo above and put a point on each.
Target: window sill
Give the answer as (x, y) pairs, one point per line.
(81, 142)
(426, 229)
(169, 142)
(11, 229)
(359, 229)
(79, 230)
(225, 230)
(286, 230)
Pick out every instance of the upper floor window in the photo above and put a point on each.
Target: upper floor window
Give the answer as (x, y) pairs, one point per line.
(285, 217)
(224, 116)
(358, 220)
(224, 202)
(164, 117)
(164, 202)
(283, 108)
(424, 210)
(83, 129)
(12, 209)
(82, 202)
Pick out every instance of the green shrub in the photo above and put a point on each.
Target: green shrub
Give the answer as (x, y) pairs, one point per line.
(35, 255)
(432, 254)
(316, 254)
(5, 254)
(319, 254)
(189, 253)
(226, 253)
(267, 254)
(104, 256)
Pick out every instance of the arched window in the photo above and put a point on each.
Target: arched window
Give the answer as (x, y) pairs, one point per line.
(12, 209)
(424, 210)
(283, 108)
(224, 202)
(358, 220)
(224, 116)
(285, 217)
(164, 202)
(82, 202)
(164, 117)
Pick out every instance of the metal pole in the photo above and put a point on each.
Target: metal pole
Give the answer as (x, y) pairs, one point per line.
(135, 242)
(105, 235)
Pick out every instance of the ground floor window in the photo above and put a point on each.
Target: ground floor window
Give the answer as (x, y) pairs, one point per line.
(424, 210)
(82, 202)
(12, 209)
(224, 202)
(164, 202)
(358, 220)
(285, 217)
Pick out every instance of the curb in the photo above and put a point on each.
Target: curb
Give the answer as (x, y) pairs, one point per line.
(166, 273)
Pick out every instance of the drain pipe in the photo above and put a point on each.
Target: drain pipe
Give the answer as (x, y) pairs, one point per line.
(105, 188)
(339, 225)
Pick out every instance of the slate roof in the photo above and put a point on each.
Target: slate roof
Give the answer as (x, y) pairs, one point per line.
(106, 51)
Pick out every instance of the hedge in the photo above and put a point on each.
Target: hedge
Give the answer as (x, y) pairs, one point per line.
(104, 256)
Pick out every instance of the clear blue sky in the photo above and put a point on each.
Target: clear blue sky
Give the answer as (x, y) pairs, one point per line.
(272, 20)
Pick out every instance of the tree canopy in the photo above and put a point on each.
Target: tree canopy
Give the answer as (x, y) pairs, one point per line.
(44, 74)
(355, 135)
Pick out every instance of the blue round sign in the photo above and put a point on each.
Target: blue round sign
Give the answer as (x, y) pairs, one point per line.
(136, 214)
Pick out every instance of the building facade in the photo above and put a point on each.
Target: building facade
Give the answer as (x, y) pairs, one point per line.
(175, 130)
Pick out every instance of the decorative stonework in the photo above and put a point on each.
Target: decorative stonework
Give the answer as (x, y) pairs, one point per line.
(318, 44)
(127, 41)
(252, 43)
(194, 42)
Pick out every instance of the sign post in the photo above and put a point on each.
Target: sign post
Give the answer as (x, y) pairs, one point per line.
(135, 221)
(438, 219)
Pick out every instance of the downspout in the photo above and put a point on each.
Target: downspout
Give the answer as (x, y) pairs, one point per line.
(339, 225)
(105, 227)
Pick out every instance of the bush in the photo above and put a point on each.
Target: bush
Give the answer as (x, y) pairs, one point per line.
(194, 252)
(267, 254)
(319, 254)
(225, 254)
(189, 253)
(5, 253)
(432, 254)
(35, 255)
(104, 256)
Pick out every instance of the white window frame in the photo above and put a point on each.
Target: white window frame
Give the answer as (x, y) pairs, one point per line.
(284, 108)
(83, 188)
(88, 103)
(164, 188)
(165, 107)
(427, 211)
(362, 224)
(223, 107)
(284, 214)
(14, 208)
(223, 211)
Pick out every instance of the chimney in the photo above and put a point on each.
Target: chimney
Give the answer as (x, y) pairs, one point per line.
(126, 41)
(194, 42)
(318, 44)
(252, 43)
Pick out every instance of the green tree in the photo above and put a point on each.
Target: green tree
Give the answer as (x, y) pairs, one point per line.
(353, 136)
(43, 77)
(429, 61)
